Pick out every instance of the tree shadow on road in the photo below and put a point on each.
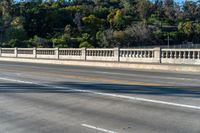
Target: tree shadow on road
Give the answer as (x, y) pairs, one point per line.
(71, 87)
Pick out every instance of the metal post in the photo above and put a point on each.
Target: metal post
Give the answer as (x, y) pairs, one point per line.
(168, 41)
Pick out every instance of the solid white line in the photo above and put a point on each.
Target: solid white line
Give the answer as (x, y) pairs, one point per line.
(98, 128)
(109, 94)
(150, 100)
(19, 81)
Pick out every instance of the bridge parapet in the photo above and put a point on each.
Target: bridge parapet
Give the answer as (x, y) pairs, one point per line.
(150, 55)
(181, 56)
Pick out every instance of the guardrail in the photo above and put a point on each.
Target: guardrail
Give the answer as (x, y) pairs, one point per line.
(149, 55)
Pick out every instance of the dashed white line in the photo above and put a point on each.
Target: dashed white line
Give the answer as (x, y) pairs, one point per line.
(97, 128)
(108, 94)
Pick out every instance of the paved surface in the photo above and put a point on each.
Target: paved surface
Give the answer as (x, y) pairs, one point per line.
(37, 98)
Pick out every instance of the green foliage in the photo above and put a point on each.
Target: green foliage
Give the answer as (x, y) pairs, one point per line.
(17, 43)
(14, 43)
(97, 23)
(85, 44)
(59, 43)
(185, 28)
(197, 28)
(40, 42)
(116, 18)
(102, 39)
(15, 33)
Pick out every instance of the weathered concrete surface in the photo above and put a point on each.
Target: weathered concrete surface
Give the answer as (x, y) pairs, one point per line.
(43, 98)
(146, 66)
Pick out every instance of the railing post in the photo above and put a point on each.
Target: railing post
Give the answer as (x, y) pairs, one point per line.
(157, 54)
(35, 53)
(0, 51)
(57, 53)
(15, 51)
(117, 54)
(83, 54)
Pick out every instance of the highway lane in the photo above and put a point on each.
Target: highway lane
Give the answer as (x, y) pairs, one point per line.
(39, 98)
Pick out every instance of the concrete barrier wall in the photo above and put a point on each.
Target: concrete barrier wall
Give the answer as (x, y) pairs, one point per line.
(181, 56)
(100, 54)
(154, 55)
(146, 66)
(138, 55)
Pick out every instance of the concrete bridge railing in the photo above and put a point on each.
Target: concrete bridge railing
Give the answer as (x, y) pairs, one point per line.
(180, 56)
(151, 55)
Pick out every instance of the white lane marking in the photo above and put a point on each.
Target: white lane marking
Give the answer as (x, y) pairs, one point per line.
(109, 94)
(19, 81)
(97, 128)
(39, 84)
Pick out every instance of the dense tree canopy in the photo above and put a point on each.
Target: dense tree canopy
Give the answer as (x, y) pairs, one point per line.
(97, 23)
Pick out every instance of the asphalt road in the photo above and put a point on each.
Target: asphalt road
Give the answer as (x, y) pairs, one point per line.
(39, 98)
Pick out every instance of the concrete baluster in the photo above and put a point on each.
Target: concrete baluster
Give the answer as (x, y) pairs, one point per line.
(175, 54)
(194, 55)
(146, 54)
(139, 54)
(189, 54)
(136, 54)
(184, 55)
(198, 56)
(170, 54)
(180, 54)
(129, 53)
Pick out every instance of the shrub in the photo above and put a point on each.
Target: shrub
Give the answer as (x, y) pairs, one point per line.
(85, 44)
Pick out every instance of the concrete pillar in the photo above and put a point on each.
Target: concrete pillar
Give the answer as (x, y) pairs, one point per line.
(15, 52)
(35, 53)
(56, 53)
(157, 55)
(84, 54)
(117, 54)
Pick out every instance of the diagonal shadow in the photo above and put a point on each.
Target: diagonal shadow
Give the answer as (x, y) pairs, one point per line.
(108, 88)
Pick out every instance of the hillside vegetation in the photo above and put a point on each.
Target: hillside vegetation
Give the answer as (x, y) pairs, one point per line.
(97, 23)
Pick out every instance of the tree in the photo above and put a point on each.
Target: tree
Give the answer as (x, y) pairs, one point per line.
(93, 24)
(169, 9)
(190, 10)
(85, 44)
(6, 9)
(116, 19)
(143, 8)
(185, 28)
(100, 23)
(77, 21)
